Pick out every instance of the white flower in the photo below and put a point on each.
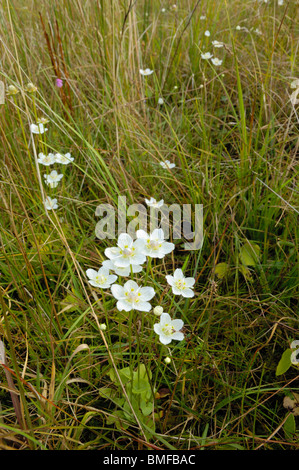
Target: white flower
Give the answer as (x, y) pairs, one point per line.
(38, 128)
(122, 271)
(180, 284)
(160, 101)
(206, 55)
(163, 10)
(64, 159)
(131, 296)
(217, 44)
(126, 252)
(153, 203)
(158, 310)
(46, 160)
(207, 33)
(167, 164)
(146, 72)
(203, 17)
(100, 278)
(50, 204)
(280, 3)
(216, 61)
(155, 246)
(168, 329)
(53, 179)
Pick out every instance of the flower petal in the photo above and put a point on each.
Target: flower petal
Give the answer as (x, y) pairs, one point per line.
(178, 335)
(124, 241)
(177, 324)
(91, 273)
(147, 293)
(117, 291)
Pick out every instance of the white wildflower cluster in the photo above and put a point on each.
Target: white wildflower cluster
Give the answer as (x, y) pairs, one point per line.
(51, 178)
(127, 258)
(208, 55)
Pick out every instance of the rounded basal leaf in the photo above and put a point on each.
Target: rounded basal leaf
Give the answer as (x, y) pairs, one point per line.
(141, 386)
(250, 254)
(146, 408)
(221, 270)
(284, 363)
(289, 427)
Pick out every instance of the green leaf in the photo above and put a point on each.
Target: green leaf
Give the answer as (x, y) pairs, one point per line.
(284, 363)
(221, 270)
(246, 272)
(289, 427)
(146, 408)
(250, 254)
(140, 386)
(125, 374)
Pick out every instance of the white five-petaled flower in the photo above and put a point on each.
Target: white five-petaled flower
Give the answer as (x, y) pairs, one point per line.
(207, 33)
(167, 164)
(131, 296)
(206, 55)
(180, 284)
(146, 72)
(122, 271)
(100, 278)
(46, 160)
(50, 204)
(153, 203)
(216, 61)
(155, 246)
(53, 179)
(38, 128)
(217, 43)
(169, 329)
(126, 252)
(64, 159)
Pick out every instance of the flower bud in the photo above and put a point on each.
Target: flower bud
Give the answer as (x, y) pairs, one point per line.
(12, 90)
(158, 310)
(30, 88)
